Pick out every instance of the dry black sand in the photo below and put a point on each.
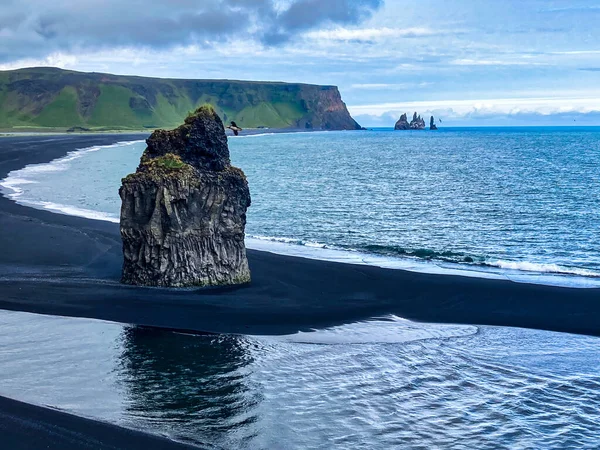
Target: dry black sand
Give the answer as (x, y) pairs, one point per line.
(62, 265)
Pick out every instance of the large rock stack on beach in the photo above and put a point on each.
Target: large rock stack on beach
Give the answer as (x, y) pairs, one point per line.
(183, 212)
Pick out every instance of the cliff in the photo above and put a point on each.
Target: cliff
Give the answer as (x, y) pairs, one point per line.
(55, 98)
(183, 212)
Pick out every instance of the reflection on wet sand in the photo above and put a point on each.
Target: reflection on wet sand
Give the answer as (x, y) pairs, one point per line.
(198, 384)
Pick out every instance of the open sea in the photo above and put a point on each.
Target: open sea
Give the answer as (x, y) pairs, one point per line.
(521, 203)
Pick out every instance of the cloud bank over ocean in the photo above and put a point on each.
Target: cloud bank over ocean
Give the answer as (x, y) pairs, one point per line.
(568, 111)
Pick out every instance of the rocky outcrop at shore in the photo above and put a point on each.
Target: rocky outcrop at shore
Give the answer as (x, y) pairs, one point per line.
(183, 212)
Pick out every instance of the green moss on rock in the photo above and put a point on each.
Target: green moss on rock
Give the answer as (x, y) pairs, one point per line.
(166, 162)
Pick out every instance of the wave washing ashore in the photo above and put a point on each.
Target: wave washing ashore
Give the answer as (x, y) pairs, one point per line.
(277, 379)
(511, 203)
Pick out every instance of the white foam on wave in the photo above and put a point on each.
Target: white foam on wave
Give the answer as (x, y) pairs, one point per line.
(254, 135)
(542, 268)
(385, 330)
(12, 186)
(286, 240)
(296, 247)
(74, 211)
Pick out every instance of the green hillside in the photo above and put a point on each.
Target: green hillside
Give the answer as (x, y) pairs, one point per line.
(50, 98)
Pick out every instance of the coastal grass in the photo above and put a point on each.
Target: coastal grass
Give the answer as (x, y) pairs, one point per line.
(55, 99)
(62, 112)
(113, 109)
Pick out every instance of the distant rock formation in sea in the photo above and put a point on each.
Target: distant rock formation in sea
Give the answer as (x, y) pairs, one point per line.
(402, 123)
(183, 212)
(432, 125)
(417, 123)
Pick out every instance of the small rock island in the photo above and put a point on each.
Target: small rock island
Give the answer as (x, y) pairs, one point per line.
(432, 125)
(417, 123)
(402, 123)
(183, 212)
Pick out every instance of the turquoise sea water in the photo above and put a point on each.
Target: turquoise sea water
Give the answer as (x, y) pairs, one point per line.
(520, 202)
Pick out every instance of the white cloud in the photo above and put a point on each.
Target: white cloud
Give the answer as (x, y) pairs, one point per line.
(365, 34)
(62, 60)
(495, 62)
(390, 86)
(577, 52)
(483, 107)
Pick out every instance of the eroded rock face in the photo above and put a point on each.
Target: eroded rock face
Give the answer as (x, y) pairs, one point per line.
(183, 212)
(402, 123)
(417, 123)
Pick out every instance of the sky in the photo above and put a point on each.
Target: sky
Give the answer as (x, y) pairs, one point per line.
(470, 63)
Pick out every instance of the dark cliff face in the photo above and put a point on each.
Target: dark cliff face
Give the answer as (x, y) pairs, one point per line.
(183, 212)
(49, 97)
(326, 110)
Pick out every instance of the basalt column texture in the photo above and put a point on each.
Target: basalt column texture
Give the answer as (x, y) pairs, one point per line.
(183, 211)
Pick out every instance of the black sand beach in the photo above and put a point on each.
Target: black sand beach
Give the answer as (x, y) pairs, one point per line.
(62, 265)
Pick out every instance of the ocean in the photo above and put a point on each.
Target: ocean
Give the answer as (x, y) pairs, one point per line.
(510, 203)
(521, 203)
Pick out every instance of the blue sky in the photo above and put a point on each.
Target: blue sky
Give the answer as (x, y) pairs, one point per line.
(483, 62)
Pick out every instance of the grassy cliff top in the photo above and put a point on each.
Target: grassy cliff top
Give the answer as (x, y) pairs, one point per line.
(50, 98)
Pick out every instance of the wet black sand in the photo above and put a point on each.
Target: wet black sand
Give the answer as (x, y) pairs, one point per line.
(62, 265)
(24, 426)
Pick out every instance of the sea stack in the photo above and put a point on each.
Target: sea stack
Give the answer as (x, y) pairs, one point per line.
(402, 123)
(417, 123)
(432, 125)
(183, 212)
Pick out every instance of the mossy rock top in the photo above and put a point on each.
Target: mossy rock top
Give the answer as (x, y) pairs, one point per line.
(201, 141)
(158, 169)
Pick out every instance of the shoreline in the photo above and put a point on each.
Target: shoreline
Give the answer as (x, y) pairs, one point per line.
(514, 270)
(65, 265)
(57, 264)
(4, 133)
